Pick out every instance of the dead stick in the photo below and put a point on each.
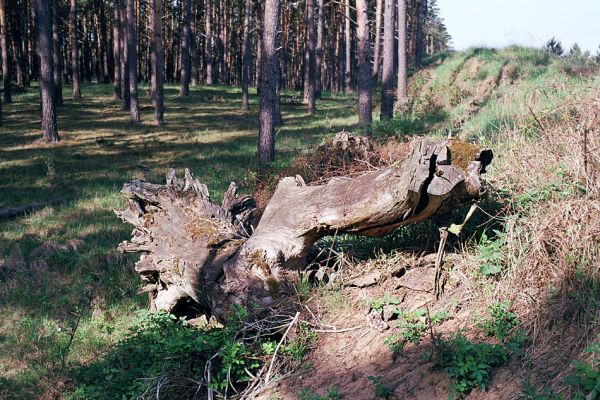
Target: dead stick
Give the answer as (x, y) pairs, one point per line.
(437, 288)
(278, 346)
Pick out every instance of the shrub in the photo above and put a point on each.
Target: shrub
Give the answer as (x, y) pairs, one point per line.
(165, 354)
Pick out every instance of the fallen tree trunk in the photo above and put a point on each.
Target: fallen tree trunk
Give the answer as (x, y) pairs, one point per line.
(196, 253)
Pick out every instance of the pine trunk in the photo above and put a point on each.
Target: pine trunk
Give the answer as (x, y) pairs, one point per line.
(74, 52)
(102, 36)
(124, 56)
(319, 50)
(401, 94)
(268, 84)
(186, 62)
(157, 61)
(347, 76)
(387, 100)
(420, 40)
(5, 55)
(56, 56)
(310, 28)
(132, 63)
(377, 56)
(209, 43)
(46, 77)
(246, 53)
(116, 53)
(364, 67)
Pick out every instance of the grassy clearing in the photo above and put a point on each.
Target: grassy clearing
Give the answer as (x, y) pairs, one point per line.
(45, 289)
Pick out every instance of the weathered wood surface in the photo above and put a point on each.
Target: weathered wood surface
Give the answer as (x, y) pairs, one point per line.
(197, 252)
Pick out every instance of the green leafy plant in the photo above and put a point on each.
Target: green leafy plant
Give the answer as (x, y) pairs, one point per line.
(490, 253)
(501, 321)
(586, 379)
(378, 303)
(162, 345)
(382, 389)
(413, 326)
(297, 348)
(469, 364)
(332, 393)
(532, 393)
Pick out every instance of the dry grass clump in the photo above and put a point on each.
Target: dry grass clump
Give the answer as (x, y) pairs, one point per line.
(552, 250)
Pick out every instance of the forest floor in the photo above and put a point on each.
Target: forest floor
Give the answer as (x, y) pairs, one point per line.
(68, 250)
(521, 300)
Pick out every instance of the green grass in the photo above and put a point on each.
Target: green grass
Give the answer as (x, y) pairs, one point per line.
(100, 148)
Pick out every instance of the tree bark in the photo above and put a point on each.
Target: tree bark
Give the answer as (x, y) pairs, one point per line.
(419, 40)
(387, 100)
(365, 112)
(74, 52)
(347, 76)
(5, 55)
(246, 54)
(209, 42)
(310, 43)
(116, 53)
(56, 56)
(124, 56)
(44, 50)
(201, 252)
(269, 77)
(157, 61)
(132, 63)
(186, 62)
(402, 64)
(377, 56)
(319, 50)
(102, 37)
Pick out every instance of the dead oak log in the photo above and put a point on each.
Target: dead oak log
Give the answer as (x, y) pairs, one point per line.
(196, 252)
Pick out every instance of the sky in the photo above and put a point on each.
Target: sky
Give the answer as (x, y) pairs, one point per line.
(497, 23)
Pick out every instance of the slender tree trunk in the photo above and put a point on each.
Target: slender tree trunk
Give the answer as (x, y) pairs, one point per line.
(319, 50)
(194, 47)
(268, 83)
(74, 51)
(44, 50)
(87, 57)
(419, 40)
(209, 43)
(364, 67)
(56, 56)
(377, 56)
(186, 63)
(387, 100)
(310, 10)
(347, 76)
(157, 56)
(402, 64)
(124, 57)
(132, 63)
(117, 52)
(246, 54)
(5, 54)
(103, 44)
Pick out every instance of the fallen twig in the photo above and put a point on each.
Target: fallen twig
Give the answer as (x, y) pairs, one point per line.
(278, 346)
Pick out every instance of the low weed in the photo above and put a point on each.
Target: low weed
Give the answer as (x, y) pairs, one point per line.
(469, 364)
(332, 393)
(413, 326)
(298, 347)
(585, 382)
(164, 354)
(382, 389)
